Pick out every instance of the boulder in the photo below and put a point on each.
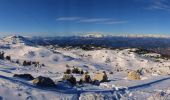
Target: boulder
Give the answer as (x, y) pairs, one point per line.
(142, 71)
(24, 76)
(43, 82)
(70, 78)
(133, 75)
(101, 77)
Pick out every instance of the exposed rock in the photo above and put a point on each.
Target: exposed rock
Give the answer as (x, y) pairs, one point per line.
(111, 73)
(101, 77)
(24, 76)
(43, 82)
(133, 75)
(142, 71)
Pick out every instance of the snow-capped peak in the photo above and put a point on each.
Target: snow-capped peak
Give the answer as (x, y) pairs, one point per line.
(99, 35)
(94, 35)
(16, 40)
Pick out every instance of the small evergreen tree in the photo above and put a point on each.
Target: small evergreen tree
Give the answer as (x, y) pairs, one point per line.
(8, 58)
(24, 63)
(2, 55)
(17, 61)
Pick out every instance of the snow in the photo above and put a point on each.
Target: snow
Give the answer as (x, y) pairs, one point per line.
(93, 35)
(154, 79)
(100, 35)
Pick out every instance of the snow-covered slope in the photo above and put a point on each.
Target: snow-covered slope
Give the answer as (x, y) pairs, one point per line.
(117, 63)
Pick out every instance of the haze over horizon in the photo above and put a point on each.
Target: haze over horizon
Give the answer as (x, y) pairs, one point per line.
(71, 17)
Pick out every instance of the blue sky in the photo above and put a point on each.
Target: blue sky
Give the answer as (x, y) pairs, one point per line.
(70, 17)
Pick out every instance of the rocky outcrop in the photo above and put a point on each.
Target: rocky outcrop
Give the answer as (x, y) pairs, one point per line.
(101, 77)
(43, 82)
(133, 75)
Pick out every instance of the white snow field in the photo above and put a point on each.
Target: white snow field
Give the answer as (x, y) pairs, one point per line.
(154, 83)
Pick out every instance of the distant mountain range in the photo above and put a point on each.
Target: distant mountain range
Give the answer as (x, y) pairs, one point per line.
(99, 35)
(117, 41)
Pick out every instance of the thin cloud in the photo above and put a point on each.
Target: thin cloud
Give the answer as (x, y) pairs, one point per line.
(68, 18)
(158, 5)
(91, 20)
(116, 22)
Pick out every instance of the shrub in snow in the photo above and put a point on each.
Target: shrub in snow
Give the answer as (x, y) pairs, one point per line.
(27, 63)
(36, 63)
(76, 70)
(142, 51)
(17, 61)
(2, 55)
(133, 75)
(81, 72)
(67, 66)
(43, 82)
(70, 78)
(24, 76)
(86, 78)
(43, 65)
(8, 58)
(107, 60)
(101, 77)
(68, 71)
(81, 81)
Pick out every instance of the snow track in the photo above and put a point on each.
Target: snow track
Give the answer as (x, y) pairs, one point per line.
(148, 84)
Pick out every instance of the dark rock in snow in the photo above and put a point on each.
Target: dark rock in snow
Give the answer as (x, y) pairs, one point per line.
(43, 82)
(24, 76)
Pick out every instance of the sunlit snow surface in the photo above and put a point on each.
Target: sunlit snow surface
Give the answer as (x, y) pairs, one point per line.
(153, 85)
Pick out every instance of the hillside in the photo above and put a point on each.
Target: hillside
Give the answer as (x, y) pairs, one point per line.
(53, 61)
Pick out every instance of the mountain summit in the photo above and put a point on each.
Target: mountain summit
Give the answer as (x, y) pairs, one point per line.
(16, 40)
